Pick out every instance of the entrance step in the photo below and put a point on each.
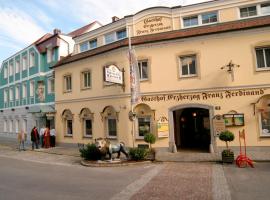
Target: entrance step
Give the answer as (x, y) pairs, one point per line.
(187, 156)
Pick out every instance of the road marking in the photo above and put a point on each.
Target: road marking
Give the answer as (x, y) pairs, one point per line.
(134, 187)
(220, 188)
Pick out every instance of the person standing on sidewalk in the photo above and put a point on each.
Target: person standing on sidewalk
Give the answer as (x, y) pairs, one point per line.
(47, 138)
(41, 136)
(21, 138)
(52, 139)
(34, 138)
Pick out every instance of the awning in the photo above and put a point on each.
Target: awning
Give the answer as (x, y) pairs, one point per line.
(42, 109)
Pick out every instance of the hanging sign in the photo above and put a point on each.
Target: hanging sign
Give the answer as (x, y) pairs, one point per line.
(113, 75)
(163, 127)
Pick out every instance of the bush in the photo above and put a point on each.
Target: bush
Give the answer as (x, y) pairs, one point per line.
(226, 136)
(137, 154)
(90, 152)
(150, 138)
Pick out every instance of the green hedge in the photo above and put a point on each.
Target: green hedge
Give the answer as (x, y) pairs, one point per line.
(137, 154)
(90, 152)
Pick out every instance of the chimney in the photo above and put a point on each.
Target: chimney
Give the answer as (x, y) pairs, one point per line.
(56, 31)
(114, 19)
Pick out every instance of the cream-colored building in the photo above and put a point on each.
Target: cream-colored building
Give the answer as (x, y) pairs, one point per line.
(203, 68)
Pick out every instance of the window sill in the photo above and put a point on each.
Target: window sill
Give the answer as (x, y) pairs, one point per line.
(112, 137)
(144, 80)
(87, 137)
(67, 91)
(85, 88)
(263, 69)
(139, 138)
(68, 136)
(188, 76)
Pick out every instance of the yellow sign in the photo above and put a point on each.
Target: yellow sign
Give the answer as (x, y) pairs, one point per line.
(151, 25)
(163, 127)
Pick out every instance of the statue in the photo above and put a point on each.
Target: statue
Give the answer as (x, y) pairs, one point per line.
(105, 147)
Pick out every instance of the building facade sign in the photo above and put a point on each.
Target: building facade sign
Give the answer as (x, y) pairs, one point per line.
(151, 25)
(163, 127)
(113, 75)
(219, 124)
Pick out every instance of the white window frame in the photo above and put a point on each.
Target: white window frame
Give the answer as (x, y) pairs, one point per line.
(247, 6)
(113, 34)
(50, 54)
(32, 88)
(17, 92)
(83, 79)
(140, 69)
(266, 68)
(49, 83)
(6, 96)
(90, 44)
(32, 59)
(11, 69)
(137, 126)
(17, 66)
(11, 95)
(260, 9)
(24, 91)
(84, 127)
(107, 126)
(66, 89)
(181, 68)
(199, 16)
(87, 46)
(5, 72)
(24, 63)
(183, 21)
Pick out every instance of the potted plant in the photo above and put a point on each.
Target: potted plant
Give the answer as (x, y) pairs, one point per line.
(227, 154)
(150, 139)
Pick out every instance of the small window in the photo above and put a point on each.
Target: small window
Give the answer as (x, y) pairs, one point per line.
(144, 124)
(25, 125)
(17, 125)
(93, 44)
(24, 90)
(5, 125)
(86, 79)
(263, 58)
(24, 63)
(121, 34)
(32, 88)
(143, 69)
(88, 127)
(248, 11)
(6, 96)
(190, 21)
(69, 127)
(67, 83)
(17, 93)
(188, 66)
(265, 8)
(112, 130)
(5, 72)
(11, 69)
(50, 85)
(11, 95)
(84, 46)
(209, 18)
(10, 126)
(109, 38)
(17, 66)
(50, 53)
(32, 59)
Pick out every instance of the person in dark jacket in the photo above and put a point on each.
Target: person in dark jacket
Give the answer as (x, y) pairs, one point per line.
(34, 138)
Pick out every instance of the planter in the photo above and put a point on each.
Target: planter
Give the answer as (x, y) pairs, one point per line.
(227, 156)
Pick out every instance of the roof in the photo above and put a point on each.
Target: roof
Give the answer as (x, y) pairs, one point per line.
(82, 30)
(172, 35)
(43, 38)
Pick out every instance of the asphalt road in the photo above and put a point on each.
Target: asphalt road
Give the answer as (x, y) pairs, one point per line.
(29, 180)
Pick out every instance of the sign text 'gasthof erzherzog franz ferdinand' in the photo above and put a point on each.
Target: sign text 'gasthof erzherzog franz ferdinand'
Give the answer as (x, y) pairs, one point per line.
(203, 95)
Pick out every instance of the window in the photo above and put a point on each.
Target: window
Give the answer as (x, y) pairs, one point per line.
(17, 93)
(88, 127)
(32, 59)
(32, 88)
(121, 34)
(11, 96)
(24, 90)
(6, 96)
(143, 69)
(265, 8)
(111, 123)
(209, 18)
(93, 44)
(5, 125)
(17, 66)
(84, 47)
(144, 124)
(109, 38)
(67, 83)
(263, 58)
(5, 72)
(24, 63)
(69, 127)
(190, 21)
(25, 125)
(10, 126)
(86, 79)
(11, 69)
(188, 66)
(17, 125)
(50, 53)
(248, 11)
(50, 85)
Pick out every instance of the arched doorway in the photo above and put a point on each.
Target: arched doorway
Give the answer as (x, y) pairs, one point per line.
(191, 128)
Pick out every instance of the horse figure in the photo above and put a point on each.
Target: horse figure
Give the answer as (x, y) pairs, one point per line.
(105, 147)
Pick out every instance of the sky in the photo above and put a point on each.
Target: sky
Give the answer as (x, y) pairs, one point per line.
(24, 21)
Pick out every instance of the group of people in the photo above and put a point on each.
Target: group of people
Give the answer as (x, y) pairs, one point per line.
(45, 138)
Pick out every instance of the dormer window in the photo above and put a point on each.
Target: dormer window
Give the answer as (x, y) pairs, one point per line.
(109, 38)
(265, 8)
(50, 55)
(248, 11)
(84, 46)
(121, 34)
(32, 59)
(191, 21)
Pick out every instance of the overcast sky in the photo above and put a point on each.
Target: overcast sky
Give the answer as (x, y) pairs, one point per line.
(24, 21)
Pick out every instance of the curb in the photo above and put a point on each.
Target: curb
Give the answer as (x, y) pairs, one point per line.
(120, 164)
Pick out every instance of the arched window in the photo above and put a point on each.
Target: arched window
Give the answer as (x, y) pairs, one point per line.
(263, 110)
(67, 117)
(110, 118)
(144, 120)
(86, 117)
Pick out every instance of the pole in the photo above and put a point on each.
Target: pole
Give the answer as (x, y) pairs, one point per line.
(131, 104)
